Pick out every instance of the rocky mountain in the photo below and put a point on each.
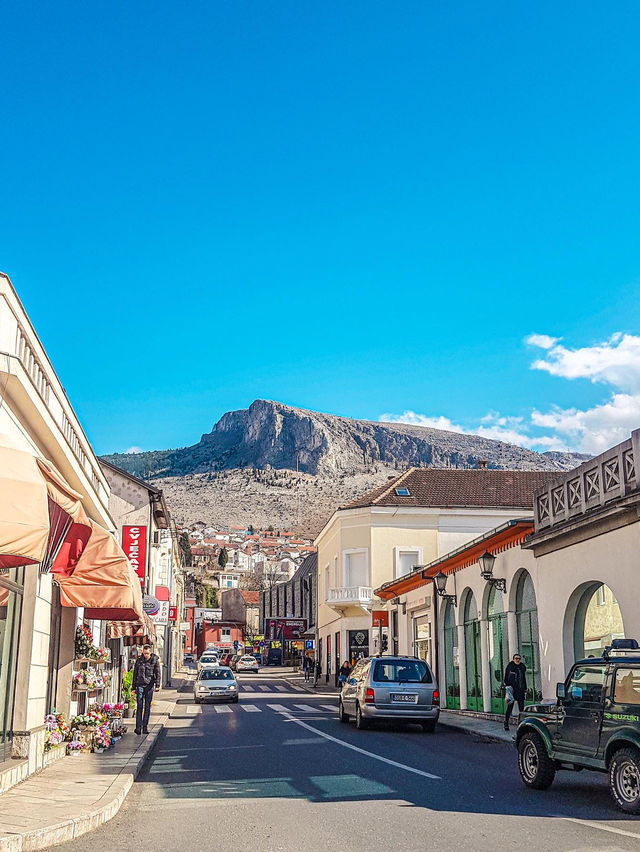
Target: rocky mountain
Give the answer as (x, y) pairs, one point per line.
(272, 463)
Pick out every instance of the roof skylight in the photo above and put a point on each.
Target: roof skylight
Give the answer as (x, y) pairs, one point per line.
(403, 492)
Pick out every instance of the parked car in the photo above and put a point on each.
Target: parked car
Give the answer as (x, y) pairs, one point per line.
(247, 663)
(274, 657)
(402, 688)
(215, 684)
(225, 659)
(233, 661)
(188, 658)
(595, 725)
(207, 660)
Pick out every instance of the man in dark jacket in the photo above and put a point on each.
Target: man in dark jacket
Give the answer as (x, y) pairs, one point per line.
(146, 680)
(515, 677)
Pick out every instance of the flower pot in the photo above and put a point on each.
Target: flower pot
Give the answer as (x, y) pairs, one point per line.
(99, 750)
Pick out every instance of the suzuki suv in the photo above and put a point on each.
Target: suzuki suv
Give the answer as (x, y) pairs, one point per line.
(402, 688)
(594, 725)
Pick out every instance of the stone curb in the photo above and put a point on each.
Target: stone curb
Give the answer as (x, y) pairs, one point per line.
(70, 829)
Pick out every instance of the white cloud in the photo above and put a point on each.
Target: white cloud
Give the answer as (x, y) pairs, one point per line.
(614, 362)
(413, 419)
(543, 341)
(595, 429)
(133, 451)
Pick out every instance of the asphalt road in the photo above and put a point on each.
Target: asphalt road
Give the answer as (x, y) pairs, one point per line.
(278, 771)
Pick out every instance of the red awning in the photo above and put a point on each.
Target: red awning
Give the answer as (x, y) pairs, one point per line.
(103, 581)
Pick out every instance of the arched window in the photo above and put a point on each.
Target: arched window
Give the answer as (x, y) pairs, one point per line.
(527, 626)
(473, 654)
(498, 647)
(598, 621)
(452, 671)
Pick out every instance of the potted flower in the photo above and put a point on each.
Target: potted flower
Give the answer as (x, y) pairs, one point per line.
(75, 747)
(101, 739)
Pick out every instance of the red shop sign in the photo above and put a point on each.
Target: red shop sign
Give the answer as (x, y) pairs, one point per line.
(173, 613)
(134, 544)
(379, 618)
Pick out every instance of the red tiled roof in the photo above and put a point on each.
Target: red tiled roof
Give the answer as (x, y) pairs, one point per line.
(250, 597)
(449, 487)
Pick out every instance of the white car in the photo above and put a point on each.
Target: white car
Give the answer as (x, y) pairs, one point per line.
(207, 661)
(215, 684)
(247, 663)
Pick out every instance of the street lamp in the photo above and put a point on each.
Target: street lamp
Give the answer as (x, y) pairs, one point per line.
(486, 562)
(440, 581)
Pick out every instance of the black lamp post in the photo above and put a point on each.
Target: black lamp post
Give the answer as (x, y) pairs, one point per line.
(486, 562)
(440, 581)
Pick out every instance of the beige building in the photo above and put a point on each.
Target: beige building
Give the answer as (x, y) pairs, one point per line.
(408, 521)
(36, 632)
(567, 585)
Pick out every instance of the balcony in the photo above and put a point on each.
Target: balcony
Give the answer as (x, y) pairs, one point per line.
(350, 596)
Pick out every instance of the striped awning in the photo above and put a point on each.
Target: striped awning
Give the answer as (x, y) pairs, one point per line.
(133, 632)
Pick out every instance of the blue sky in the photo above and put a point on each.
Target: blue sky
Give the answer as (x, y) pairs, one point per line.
(360, 208)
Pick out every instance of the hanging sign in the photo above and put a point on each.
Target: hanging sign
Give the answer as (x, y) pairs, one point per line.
(173, 613)
(150, 605)
(134, 544)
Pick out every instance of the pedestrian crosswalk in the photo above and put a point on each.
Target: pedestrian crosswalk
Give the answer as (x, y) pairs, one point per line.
(250, 686)
(291, 709)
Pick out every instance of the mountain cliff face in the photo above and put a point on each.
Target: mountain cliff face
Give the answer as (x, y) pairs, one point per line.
(271, 463)
(270, 434)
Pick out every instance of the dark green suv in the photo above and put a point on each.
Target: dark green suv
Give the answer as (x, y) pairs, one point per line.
(595, 724)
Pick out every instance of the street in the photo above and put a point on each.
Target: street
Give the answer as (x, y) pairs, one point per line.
(278, 771)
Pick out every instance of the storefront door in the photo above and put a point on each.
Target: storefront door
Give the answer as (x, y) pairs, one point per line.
(473, 654)
(452, 671)
(498, 648)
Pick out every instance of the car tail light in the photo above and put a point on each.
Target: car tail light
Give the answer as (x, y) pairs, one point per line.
(369, 696)
(436, 697)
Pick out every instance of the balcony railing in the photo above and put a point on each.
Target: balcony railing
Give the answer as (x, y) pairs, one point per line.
(604, 479)
(350, 595)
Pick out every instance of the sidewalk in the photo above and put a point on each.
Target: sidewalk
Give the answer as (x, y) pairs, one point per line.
(77, 794)
(487, 730)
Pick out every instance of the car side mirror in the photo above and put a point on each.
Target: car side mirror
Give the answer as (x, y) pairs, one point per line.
(560, 692)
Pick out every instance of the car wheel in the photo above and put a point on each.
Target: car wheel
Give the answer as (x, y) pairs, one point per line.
(537, 770)
(197, 700)
(234, 701)
(429, 726)
(342, 715)
(361, 722)
(624, 780)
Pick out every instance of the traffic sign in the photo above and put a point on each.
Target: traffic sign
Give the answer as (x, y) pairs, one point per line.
(235, 644)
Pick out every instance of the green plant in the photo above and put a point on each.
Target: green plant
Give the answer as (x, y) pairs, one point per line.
(127, 689)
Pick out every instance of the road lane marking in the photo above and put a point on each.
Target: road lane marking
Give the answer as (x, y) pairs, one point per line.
(307, 708)
(361, 750)
(305, 741)
(332, 707)
(279, 708)
(280, 687)
(222, 708)
(598, 826)
(251, 708)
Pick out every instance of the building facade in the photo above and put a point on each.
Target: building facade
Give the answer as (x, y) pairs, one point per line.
(408, 521)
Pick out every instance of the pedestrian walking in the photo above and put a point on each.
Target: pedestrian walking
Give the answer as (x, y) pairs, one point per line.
(515, 682)
(317, 672)
(343, 674)
(146, 681)
(306, 667)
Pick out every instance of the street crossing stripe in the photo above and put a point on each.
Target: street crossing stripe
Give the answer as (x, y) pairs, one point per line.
(250, 708)
(279, 708)
(222, 708)
(306, 707)
(331, 707)
(280, 687)
(344, 744)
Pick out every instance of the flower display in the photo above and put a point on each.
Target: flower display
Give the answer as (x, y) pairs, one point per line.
(75, 746)
(84, 642)
(102, 737)
(91, 678)
(56, 730)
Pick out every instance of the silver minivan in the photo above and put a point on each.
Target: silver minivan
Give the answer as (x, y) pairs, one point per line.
(402, 688)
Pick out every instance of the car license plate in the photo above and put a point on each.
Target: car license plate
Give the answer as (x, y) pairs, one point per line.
(405, 697)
